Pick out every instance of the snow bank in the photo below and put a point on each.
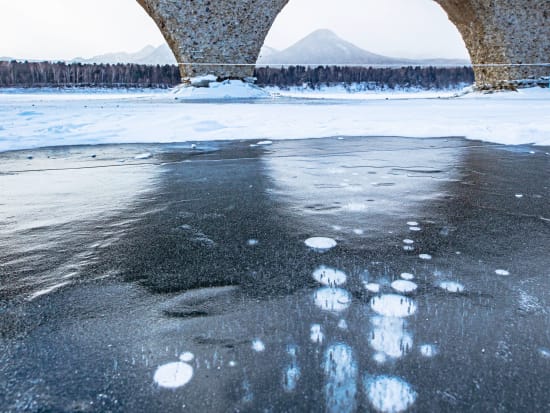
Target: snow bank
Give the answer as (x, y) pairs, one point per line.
(228, 89)
(360, 91)
(29, 120)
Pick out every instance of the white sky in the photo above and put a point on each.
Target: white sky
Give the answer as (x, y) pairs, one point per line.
(64, 29)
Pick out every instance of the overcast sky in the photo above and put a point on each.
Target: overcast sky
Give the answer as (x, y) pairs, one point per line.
(64, 29)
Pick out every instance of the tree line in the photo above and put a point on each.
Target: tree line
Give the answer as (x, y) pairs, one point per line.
(61, 74)
(429, 77)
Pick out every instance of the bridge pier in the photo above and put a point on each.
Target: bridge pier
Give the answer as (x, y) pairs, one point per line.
(214, 36)
(507, 39)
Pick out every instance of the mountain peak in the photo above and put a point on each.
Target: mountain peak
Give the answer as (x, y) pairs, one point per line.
(323, 46)
(323, 33)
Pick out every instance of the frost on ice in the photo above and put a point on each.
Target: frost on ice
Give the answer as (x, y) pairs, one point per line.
(329, 276)
(316, 334)
(502, 272)
(404, 286)
(187, 357)
(292, 373)
(173, 375)
(393, 305)
(258, 346)
(389, 336)
(332, 299)
(407, 276)
(451, 286)
(428, 350)
(320, 243)
(389, 394)
(341, 379)
(372, 287)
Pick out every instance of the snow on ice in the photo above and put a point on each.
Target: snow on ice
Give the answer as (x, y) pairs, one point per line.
(32, 119)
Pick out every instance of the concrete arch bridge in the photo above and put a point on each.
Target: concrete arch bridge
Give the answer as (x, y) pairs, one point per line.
(508, 40)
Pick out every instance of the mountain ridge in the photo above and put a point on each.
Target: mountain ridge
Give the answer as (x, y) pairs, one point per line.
(324, 47)
(321, 47)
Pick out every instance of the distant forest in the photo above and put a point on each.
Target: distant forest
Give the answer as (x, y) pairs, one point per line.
(372, 77)
(61, 74)
(76, 75)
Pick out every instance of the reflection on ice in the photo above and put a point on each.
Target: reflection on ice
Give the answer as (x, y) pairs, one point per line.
(47, 290)
(329, 276)
(372, 287)
(82, 200)
(258, 346)
(380, 358)
(292, 372)
(393, 305)
(173, 375)
(389, 337)
(389, 394)
(428, 350)
(332, 299)
(341, 373)
(316, 335)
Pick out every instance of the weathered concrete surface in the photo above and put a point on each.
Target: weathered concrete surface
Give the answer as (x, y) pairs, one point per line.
(225, 33)
(503, 32)
(223, 37)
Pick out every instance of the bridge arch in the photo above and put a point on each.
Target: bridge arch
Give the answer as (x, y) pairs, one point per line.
(507, 40)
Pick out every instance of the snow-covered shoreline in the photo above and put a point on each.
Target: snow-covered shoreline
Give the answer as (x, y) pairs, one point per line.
(31, 120)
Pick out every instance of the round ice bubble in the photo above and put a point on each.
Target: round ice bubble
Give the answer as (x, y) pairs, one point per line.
(320, 243)
(173, 375)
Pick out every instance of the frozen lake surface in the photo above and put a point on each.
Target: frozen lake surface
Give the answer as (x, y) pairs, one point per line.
(355, 274)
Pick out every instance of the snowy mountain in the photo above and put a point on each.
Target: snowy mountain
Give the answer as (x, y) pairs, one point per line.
(320, 47)
(162, 55)
(325, 47)
(266, 51)
(149, 55)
